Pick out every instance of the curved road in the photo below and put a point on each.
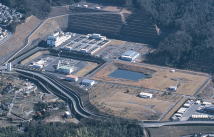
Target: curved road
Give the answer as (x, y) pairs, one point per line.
(65, 91)
(80, 110)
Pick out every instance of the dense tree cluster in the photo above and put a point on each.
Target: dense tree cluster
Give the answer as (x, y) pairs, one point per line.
(39, 8)
(191, 23)
(86, 129)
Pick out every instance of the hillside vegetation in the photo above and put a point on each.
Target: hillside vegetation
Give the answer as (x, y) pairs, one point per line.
(39, 8)
(187, 28)
(190, 41)
(88, 129)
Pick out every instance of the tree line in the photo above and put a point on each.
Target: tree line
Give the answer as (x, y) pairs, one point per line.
(87, 128)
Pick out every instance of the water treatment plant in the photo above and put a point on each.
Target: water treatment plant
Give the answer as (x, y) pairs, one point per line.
(92, 63)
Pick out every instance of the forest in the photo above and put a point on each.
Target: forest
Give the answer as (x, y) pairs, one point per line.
(188, 42)
(87, 128)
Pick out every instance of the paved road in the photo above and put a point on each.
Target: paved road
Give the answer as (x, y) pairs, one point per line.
(173, 123)
(65, 91)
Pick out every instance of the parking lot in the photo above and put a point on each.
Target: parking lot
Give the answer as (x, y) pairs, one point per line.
(192, 110)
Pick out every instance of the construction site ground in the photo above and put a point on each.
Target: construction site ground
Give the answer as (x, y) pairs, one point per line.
(123, 101)
(18, 39)
(162, 78)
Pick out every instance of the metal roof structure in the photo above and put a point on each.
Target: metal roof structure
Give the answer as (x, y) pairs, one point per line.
(130, 54)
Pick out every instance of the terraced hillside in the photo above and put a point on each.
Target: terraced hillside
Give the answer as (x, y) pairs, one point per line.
(137, 27)
(106, 24)
(140, 28)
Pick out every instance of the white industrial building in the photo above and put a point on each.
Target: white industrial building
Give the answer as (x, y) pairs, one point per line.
(181, 110)
(200, 116)
(129, 55)
(65, 69)
(57, 39)
(187, 105)
(172, 88)
(72, 78)
(39, 64)
(145, 95)
(88, 82)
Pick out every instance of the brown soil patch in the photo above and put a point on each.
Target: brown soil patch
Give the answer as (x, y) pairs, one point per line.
(161, 79)
(114, 99)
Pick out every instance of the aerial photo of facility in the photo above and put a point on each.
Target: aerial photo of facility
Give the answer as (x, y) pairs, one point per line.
(100, 68)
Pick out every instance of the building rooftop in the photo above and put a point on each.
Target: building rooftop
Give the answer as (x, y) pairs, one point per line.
(65, 67)
(87, 81)
(130, 53)
(71, 76)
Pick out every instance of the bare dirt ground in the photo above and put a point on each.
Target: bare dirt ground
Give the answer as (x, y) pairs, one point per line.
(161, 79)
(48, 27)
(112, 8)
(59, 10)
(123, 101)
(35, 55)
(18, 38)
(90, 66)
(174, 109)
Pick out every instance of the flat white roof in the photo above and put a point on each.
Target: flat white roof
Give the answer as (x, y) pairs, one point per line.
(130, 53)
(182, 110)
(145, 94)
